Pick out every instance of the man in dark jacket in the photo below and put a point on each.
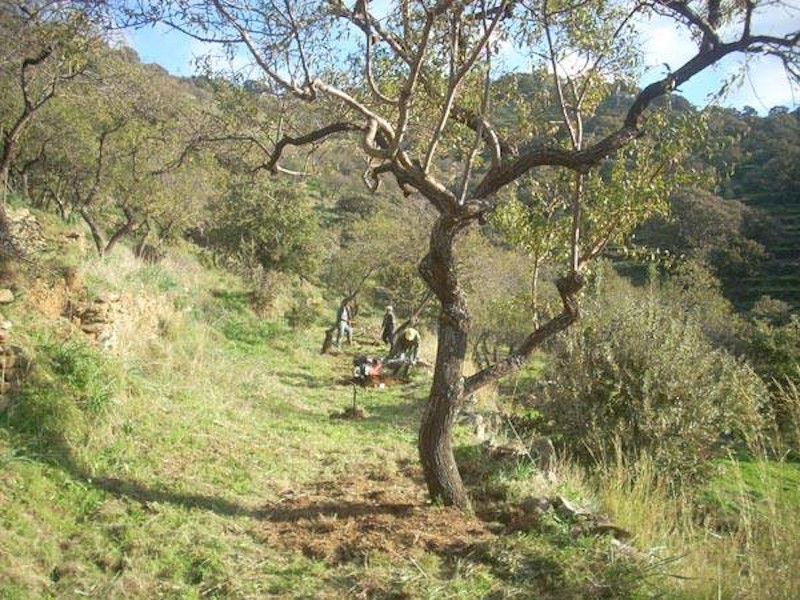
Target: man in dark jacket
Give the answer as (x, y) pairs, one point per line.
(387, 336)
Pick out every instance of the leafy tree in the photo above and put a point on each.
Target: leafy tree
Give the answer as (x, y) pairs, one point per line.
(106, 149)
(383, 249)
(45, 45)
(705, 226)
(268, 223)
(420, 107)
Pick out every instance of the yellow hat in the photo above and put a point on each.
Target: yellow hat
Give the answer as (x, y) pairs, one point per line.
(410, 334)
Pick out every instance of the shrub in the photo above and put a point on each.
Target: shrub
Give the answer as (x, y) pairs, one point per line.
(774, 350)
(638, 376)
(305, 311)
(262, 223)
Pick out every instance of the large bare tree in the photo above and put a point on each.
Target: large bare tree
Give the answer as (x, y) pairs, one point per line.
(414, 81)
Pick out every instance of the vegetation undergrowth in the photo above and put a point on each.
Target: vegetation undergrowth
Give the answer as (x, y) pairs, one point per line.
(196, 458)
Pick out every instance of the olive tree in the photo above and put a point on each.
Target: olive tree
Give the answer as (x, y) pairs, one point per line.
(104, 149)
(413, 82)
(44, 46)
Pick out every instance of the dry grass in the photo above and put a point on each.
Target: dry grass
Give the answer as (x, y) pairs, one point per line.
(738, 538)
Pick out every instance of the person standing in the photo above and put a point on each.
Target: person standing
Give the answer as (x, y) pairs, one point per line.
(389, 323)
(344, 327)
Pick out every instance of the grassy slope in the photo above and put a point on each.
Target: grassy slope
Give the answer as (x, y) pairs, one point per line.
(198, 460)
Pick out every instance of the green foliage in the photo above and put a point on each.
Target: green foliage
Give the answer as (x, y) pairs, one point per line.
(638, 375)
(774, 350)
(499, 285)
(382, 250)
(304, 312)
(723, 233)
(268, 223)
(85, 371)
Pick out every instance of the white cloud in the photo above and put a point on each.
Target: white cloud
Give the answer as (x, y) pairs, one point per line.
(765, 85)
(664, 43)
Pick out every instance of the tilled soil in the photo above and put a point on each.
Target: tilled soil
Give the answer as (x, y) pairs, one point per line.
(348, 518)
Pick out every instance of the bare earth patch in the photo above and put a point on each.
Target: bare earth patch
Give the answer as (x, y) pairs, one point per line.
(349, 518)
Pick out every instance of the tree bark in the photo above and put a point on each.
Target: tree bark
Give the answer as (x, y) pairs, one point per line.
(97, 235)
(436, 432)
(122, 231)
(450, 387)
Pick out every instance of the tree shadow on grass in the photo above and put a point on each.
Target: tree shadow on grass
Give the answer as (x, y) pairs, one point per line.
(300, 378)
(276, 513)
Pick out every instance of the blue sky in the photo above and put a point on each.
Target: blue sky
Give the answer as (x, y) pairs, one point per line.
(764, 86)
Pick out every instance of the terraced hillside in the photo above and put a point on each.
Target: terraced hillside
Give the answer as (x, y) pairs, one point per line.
(779, 276)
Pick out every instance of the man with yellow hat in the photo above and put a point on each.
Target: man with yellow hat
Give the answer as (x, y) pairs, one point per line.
(407, 348)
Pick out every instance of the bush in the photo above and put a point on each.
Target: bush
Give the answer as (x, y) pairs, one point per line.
(774, 350)
(262, 223)
(638, 376)
(305, 311)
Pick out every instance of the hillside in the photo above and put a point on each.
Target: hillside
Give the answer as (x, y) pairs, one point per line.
(196, 457)
(606, 404)
(185, 449)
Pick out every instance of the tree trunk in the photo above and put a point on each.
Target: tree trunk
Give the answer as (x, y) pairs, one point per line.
(450, 387)
(97, 236)
(436, 435)
(122, 231)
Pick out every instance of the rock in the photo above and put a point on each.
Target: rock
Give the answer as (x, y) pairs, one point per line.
(93, 328)
(536, 504)
(6, 295)
(26, 230)
(564, 506)
(615, 531)
(512, 450)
